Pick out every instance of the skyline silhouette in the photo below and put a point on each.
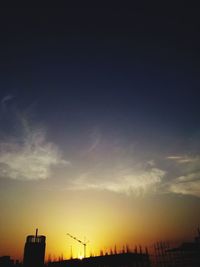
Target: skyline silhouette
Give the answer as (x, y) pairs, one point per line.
(186, 254)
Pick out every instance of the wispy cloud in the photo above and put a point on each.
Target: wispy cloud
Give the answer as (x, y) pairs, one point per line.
(106, 164)
(26, 154)
(95, 137)
(184, 159)
(174, 174)
(187, 181)
(121, 180)
(186, 188)
(5, 100)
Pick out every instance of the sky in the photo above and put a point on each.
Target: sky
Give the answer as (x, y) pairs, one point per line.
(99, 127)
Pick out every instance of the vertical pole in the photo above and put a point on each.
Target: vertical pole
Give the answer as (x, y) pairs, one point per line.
(71, 253)
(84, 250)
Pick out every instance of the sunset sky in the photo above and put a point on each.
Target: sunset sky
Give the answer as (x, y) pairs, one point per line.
(99, 127)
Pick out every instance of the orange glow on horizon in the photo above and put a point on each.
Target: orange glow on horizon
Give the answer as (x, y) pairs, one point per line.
(105, 220)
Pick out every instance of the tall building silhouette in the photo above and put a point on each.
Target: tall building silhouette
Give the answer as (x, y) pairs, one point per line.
(34, 250)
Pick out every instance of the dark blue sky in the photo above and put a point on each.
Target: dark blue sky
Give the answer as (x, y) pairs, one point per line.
(127, 61)
(124, 69)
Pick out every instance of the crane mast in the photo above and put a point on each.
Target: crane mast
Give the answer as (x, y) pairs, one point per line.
(81, 242)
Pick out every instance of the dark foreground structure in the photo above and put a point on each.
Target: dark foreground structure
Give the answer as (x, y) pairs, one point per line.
(186, 255)
(34, 251)
(115, 260)
(6, 261)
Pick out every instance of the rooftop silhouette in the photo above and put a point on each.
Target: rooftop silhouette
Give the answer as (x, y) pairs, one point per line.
(34, 250)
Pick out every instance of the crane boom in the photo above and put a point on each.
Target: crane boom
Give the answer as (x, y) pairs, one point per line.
(78, 240)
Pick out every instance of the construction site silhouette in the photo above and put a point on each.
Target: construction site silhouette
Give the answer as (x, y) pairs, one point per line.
(185, 255)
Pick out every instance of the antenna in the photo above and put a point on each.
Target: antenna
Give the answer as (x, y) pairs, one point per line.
(36, 232)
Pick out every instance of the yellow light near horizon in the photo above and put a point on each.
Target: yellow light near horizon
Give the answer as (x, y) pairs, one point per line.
(80, 257)
(103, 218)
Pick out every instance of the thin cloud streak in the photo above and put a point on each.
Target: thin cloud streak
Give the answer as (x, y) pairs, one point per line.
(184, 159)
(5, 100)
(30, 156)
(188, 182)
(141, 179)
(187, 188)
(127, 180)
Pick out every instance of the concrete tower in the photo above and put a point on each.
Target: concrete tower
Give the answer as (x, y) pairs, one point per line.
(34, 250)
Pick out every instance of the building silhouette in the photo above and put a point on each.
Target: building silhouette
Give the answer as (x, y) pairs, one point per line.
(34, 250)
(127, 259)
(6, 261)
(185, 255)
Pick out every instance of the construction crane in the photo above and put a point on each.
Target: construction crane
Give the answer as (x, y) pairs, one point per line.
(78, 240)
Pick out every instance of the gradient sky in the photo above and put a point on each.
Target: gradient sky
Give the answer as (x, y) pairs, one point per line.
(99, 126)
